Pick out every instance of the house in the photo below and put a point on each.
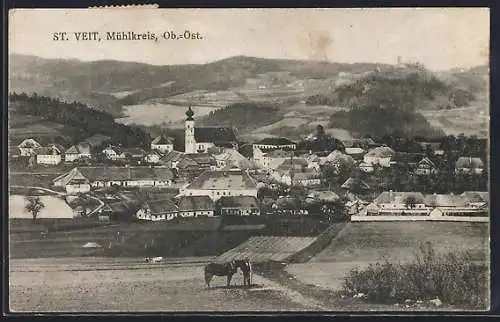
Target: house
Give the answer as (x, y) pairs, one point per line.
(271, 160)
(172, 159)
(355, 185)
(152, 157)
(469, 165)
(135, 155)
(122, 210)
(200, 139)
(276, 143)
(195, 206)
(337, 159)
(366, 167)
(28, 147)
(230, 158)
(379, 156)
(76, 152)
(238, 206)
(399, 204)
(407, 160)
(162, 144)
(426, 167)
(306, 177)
(111, 153)
(472, 204)
(157, 210)
(98, 177)
(50, 155)
(216, 184)
(288, 205)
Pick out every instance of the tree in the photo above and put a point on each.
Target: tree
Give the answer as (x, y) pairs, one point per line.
(410, 202)
(34, 205)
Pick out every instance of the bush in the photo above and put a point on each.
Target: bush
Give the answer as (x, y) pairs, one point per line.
(453, 278)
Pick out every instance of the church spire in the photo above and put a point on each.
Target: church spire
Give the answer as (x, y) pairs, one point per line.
(189, 114)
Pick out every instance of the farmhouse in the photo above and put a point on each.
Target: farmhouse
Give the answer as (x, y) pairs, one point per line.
(238, 206)
(28, 147)
(380, 155)
(469, 165)
(305, 177)
(230, 158)
(271, 160)
(136, 155)
(76, 152)
(399, 204)
(200, 139)
(426, 167)
(194, 206)
(157, 210)
(50, 155)
(172, 159)
(269, 144)
(216, 184)
(162, 144)
(78, 178)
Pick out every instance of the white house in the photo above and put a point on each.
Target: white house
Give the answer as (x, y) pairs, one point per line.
(230, 158)
(195, 206)
(157, 210)
(380, 155)
(271, 160)
(162, 144)
(110, 153)
(399, 204)
(216, 184)
(98, 177)
(78, 151)
(50, 155)
(28, 147)
(469, 165)
(152, 157)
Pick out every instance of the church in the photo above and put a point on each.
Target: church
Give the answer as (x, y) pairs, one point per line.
(200, 139)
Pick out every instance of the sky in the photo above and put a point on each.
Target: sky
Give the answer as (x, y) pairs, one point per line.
(440, 38)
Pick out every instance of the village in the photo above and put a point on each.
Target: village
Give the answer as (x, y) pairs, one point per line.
(214, 174)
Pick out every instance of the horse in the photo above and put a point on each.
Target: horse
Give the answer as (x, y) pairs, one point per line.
(226, 269)
(246, 269)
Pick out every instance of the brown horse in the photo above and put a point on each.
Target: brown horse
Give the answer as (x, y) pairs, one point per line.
(246, 269)
(226, 269)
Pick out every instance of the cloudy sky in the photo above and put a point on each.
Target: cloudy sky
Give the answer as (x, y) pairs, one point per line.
(438, 38)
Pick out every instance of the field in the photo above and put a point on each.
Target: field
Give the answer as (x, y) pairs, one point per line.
(360, 244)
(471, 120)
(154, 114)
(131, 285)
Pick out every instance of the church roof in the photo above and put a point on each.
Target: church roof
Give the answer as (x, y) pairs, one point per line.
(214, 134)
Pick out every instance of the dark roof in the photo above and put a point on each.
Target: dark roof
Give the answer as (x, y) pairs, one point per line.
(354, 183)
(201, 158)
(404, 157)
(162, 140)
(161, 206)
(275, 141)
(231, 179)
(195, 203)
(390, 197)
(238, 202)
(214, 134)
(172, 156)
(125, 173)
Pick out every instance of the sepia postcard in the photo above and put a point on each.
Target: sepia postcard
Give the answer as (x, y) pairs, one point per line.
(248, 160)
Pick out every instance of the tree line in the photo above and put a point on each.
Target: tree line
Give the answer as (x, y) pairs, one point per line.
(81, 116)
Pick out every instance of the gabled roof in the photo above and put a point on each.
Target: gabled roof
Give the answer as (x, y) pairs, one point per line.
(173, 156)
(29, 143)
(476, 196)
(161, 206)
(354, 183)
(53, 149)
(116, 174)
(202, 158)
(381, 152)
(444, 200)
(195, 203)
(230, 180)
(238, 201)
(82, 148)
(354, 151)
(469, 162)
(324, 196)
(162, 140)
(133, 151)
(214, 134)
(429, 162)
(275, 141)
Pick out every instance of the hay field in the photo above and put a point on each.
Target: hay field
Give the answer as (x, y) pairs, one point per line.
(360, 244)
(69, 286)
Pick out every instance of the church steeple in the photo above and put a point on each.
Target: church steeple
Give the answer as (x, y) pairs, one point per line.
(189, 114)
